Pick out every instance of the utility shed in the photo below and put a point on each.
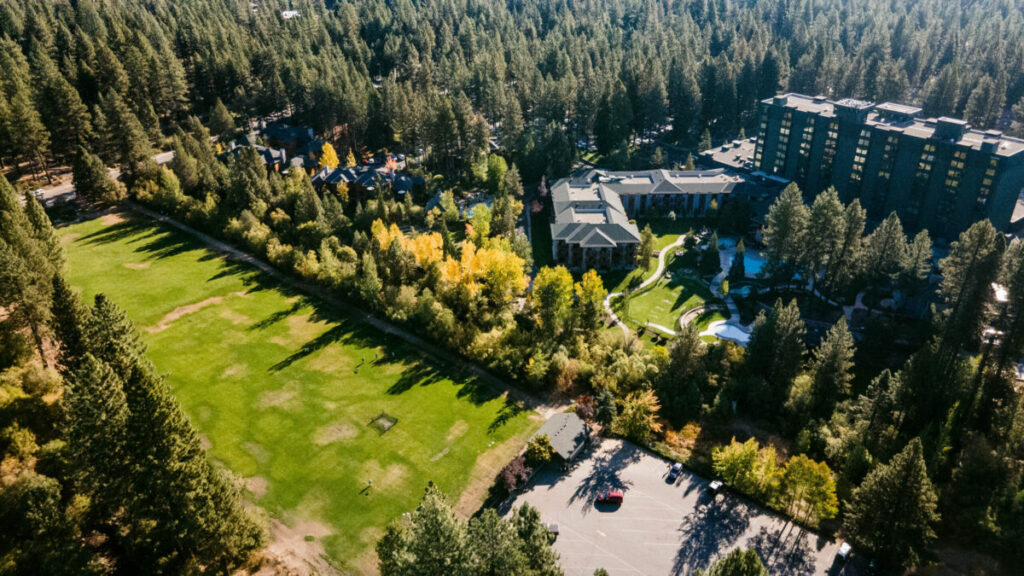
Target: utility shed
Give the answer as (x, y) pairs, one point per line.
(568, 434)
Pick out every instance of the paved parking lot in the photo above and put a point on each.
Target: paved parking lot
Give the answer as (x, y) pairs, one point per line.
(661, 528)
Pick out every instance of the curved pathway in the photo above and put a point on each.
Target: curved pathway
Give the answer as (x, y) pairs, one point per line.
(733, 320)
(651, 280)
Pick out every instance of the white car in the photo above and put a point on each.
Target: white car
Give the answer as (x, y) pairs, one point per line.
(843, 553)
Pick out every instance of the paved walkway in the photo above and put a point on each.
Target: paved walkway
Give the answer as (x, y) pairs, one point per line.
(858, 304)
(650, 280)
(725, 258)
(439, 355)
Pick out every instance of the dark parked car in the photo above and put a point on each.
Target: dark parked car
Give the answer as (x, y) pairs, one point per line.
(610, 497)
(674, 473)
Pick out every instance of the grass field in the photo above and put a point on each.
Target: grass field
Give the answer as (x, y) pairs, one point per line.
(667, 300)
(540, 230)
(284, 390)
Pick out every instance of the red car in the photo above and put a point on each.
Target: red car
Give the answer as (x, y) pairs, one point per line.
(610, 497)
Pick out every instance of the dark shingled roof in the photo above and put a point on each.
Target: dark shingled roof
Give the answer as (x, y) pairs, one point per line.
(567, 432)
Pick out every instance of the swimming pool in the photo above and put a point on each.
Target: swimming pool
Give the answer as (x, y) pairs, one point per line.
(753, 260)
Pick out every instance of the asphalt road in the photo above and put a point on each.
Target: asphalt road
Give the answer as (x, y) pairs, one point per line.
(65, 192)
(662, 528)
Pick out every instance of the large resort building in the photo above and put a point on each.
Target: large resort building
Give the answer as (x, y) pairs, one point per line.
(591, 226)
(935, 173)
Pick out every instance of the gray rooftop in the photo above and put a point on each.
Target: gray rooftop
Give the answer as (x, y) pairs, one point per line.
(902, 118)
(588, 206)
(567, 432)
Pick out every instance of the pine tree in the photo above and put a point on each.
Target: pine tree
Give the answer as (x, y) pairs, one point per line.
(23, 133)
(785, 228)
(495, 547)
(43, 233)
(97, 428)
(70, 321)
(61, 107)
(645, 251)
(893, 512)
(846, 262)
(738, 268)
(222, 123)
(126, 138)
(679, 387)
(605, 410)
(985, 103)
(25, 270)
(181, 508)
(776, 349)
(832, 367)
(705, 140)
(967, 276)
(92, 179)
(825, 225)
(536, 542)
(886, 251)
(739, 562)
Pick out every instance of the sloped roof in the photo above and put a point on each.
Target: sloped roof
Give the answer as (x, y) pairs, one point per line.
(567, 432)
(592, 201)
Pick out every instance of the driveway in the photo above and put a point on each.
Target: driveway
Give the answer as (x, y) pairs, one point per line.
(661, 528)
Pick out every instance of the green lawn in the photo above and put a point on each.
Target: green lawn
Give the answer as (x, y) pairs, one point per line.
(284, 390)
(666, 301)
(540, 230)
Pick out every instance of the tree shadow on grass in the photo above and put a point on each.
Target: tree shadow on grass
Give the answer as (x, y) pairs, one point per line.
(157, 241)
(345, 332)
(713, 528)
(606, 474)
(277, 316)
(509, 411)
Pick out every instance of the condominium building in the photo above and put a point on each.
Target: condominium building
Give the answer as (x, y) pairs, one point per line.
(935, 173)
(591, 224)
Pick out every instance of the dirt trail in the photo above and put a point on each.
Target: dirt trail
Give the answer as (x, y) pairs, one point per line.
(180, 311)
(297, 550)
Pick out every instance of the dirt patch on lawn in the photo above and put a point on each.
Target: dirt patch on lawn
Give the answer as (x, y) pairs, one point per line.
(440, 454)
(286, 398)
(257, 485)
(457, 430)
(235, 317)
(112, 219)
(257, 451)
(235, 371)
(367, 562)
(333, 433)
(137, 265)
(330, 360)
(205, 442)
(297, 550)
(70, 237)
(180, 311)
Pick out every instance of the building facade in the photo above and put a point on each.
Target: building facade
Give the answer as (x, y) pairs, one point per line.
(591, 223)
(937, 174)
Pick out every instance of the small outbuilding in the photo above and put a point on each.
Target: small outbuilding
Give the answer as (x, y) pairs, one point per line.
(568, 433)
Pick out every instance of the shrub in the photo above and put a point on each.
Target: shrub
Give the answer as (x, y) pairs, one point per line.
(539, 450)
(514, 473)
